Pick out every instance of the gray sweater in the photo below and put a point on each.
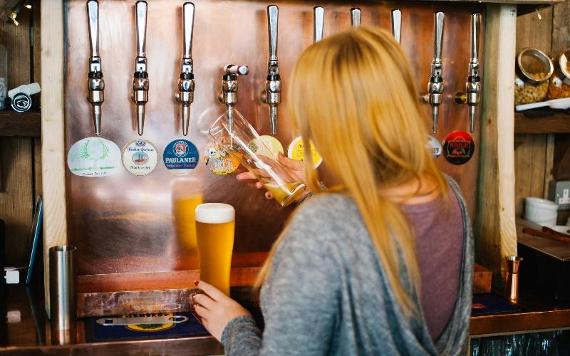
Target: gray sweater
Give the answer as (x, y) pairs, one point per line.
(328, 294)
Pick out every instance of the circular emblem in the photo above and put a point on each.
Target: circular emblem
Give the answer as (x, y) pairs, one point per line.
(180, 156)
(458, 147)
(296, 151)
(94, 157)
(219, 162)
(434, 146)
(140, 157)
(267, 146)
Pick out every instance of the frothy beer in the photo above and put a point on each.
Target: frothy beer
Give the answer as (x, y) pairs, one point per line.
(215, 224)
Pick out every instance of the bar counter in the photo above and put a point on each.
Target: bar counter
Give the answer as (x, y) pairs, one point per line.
(28, 332)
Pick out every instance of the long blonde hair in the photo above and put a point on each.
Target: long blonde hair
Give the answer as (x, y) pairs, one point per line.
(353, 96)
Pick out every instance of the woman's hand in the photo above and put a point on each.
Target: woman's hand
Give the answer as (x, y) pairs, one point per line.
(215, 309)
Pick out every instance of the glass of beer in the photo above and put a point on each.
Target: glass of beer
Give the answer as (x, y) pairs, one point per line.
(215, 234)
(235, 136)
(186, 196)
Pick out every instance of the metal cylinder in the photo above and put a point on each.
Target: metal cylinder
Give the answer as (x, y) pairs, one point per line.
(512, 285)
(62, 293)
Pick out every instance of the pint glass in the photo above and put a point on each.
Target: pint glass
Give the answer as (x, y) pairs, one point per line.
(215, 235)
(234, 135)
(186, 196)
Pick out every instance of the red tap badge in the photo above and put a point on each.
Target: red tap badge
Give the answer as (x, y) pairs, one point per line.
(458, 147)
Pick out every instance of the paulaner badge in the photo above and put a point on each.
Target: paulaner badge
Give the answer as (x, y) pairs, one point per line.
(180, 156)
(458, 147)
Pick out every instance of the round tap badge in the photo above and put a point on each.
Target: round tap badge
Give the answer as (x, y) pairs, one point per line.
(180, 156)
(140, 157)
(94, 157)
(267, 146)
(219, 162)
(296, 151)
(434, 146)
(458, 147)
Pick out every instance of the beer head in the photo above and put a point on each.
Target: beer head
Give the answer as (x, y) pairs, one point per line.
(215, 213)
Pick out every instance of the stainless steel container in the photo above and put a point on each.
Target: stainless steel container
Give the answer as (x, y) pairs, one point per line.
(62, 293)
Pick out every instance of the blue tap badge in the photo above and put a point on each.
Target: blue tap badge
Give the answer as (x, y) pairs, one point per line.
(180, 156)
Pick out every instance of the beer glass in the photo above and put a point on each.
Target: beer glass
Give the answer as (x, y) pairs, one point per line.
(215, 235)
(186, 196)
(234, 135)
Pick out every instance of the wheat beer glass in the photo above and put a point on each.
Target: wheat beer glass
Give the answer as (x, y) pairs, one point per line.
(215, 235)
(186, 196)
(235, 136)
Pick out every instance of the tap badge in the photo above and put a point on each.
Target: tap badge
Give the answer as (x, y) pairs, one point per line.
(94, 157)
(219, 162)
(180, 156)
(140, 157)
(458, 147)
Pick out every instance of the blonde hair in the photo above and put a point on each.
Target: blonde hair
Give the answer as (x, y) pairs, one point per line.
(353, 96)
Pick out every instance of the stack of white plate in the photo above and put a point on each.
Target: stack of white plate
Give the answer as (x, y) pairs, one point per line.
(541, 211)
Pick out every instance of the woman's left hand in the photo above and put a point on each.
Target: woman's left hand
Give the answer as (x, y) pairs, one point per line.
(215, 309)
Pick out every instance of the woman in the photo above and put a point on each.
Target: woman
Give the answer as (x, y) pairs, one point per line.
(381, 263)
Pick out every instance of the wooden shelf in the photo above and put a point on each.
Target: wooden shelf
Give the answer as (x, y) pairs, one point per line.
(26, 124)
(543, 124)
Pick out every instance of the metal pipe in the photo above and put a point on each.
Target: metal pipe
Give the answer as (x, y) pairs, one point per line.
(62, 293)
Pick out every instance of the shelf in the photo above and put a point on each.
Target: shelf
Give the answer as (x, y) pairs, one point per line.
(543, 123)
(26, 124)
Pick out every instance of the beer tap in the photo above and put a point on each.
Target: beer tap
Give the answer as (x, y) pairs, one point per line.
(319, 23)
(355, 17)
(271, 95)
(472, 94)
(96, 84)
(397, 24)
(229, 94)
(140, 80)
(435, 85)
(186, 85)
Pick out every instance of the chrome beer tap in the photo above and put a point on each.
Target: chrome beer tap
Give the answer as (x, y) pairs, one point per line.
(397, 24)
(140, 80)
(186, 85)
(271, 95)
(355, 17)
(96, 84)
(473, 85)
(229, 94)
(435, 85)
(319, 23)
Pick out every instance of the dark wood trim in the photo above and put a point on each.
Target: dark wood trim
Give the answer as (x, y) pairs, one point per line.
(27, 124)
(555, 123)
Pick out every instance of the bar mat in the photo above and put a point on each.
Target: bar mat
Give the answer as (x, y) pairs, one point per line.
(95, 332)
(490, 303)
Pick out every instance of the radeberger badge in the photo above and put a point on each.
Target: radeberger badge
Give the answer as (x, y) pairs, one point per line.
(458, 147)
(180, 156)
(94, 157)
(140, 157)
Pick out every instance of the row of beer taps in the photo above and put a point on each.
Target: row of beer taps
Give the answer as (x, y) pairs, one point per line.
(271, 94)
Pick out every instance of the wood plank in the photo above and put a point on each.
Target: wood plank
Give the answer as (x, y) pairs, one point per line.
(53, 144)
(534, 30)
(530, 158)
(561, 169)
(555, 123)
(495, 228)
(549, 165)
(20, 124)
(561, 27)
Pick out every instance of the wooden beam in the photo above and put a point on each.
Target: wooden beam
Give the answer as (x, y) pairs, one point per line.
(53, 134)
(495, 226)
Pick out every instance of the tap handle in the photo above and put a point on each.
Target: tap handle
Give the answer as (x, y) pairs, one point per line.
(188, 10)
(272, 28)
(438, 40)
(397, 24)
(355, 17)
(141, 11)
(475, 26)
(93, 14)
(319, 23)
(237, 69)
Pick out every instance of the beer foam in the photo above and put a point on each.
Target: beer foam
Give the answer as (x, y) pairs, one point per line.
(215, 213)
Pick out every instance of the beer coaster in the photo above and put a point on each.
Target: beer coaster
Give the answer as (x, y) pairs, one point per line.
(219, 162)
(434, 146)
(140, 157)
(458, 147)
(267, 146)
(297, 153)
(180, 156)
(94, 157)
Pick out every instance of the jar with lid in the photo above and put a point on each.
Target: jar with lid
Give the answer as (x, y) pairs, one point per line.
(559, 86)
(534, 69)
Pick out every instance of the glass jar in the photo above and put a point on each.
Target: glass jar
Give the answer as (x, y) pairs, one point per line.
(559, 86)
(533, 71)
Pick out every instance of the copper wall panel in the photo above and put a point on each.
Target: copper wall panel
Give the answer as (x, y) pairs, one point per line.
(123, 223)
